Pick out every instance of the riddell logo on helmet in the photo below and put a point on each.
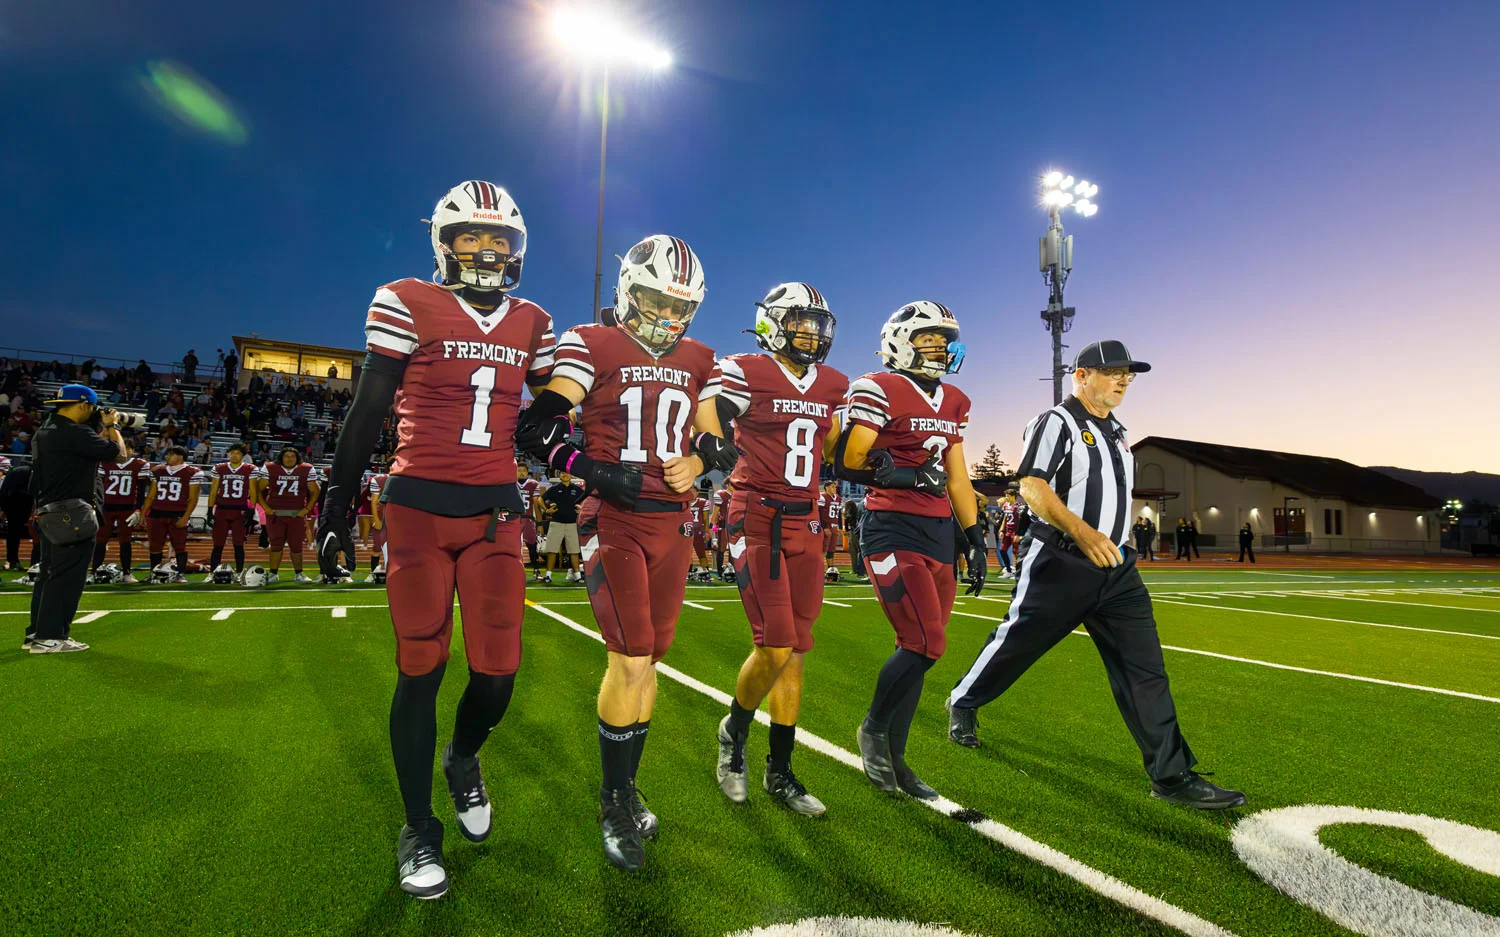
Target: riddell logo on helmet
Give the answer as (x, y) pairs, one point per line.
(678, 291)
(488, 216)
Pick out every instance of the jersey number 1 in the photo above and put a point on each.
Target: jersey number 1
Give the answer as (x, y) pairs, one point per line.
(478, 431)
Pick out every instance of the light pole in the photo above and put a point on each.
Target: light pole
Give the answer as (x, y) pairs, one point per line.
(595, 39)
(1060, 190)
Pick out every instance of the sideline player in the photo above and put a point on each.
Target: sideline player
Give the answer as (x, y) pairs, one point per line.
(830, 511)
(230, 499)
(906, 442)
(700, 508)
(784, 405)
(286, 488)
(454, 357)
(719, 521)
(528, 488)
(378, 555)
(169, 504)
(125, 488)
(639, 380)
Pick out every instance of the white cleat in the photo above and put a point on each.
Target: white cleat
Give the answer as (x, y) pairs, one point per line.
(64, 646)
(303, 577)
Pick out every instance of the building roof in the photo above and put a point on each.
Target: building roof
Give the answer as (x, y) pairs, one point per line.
(327, 351)
(1316, 476)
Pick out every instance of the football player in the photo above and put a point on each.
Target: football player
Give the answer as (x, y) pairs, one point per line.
(529, 487)
(784, 405)
(831, 509)
(169, 504)
(454, 356)
(286, 488)
(720, 520)
(125, 488)
(700, 508)
(640, 381)
(1009, 512)
(230, 498)
(377, 522)
(905, 441)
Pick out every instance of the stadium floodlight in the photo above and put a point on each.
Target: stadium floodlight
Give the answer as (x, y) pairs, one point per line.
(1059, 191)
(595, 38)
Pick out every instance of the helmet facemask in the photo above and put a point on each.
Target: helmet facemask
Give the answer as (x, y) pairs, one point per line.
(937, 363)
(486, 269)
(655, 319)
(804, 334)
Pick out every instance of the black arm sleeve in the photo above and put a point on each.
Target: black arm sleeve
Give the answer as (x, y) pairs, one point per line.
(372, 401)
(716, 452)
(862, 476)
(727, 416)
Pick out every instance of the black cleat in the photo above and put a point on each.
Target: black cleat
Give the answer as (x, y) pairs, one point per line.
(622, 837)
(908, 781)
(1190, 789)
(470, 801)
(419, 860)
(875, 752)
(784, 786)
(963, 725)
(645, 820)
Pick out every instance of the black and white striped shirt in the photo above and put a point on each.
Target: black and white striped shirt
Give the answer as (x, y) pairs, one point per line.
(1087, 462)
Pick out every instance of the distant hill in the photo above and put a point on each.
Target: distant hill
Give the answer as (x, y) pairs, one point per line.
(1465, 486)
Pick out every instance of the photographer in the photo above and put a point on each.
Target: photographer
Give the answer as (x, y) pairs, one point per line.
(67, 451)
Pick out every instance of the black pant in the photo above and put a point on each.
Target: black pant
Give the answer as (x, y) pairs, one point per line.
(856, 562)
(54, 597)
(17, 521)
(1057, 590)
(1246, 548)
(1192, 544)
(1143, 547)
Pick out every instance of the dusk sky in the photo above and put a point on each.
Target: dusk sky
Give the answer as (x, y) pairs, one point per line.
(1299, 203)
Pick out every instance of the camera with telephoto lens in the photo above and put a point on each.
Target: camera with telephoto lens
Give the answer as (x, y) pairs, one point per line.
(124, 421)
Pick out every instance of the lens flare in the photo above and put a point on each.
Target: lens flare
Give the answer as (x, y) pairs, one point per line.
(194, 102)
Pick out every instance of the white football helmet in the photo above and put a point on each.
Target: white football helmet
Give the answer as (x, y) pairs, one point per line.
(477, 204)
(658, 292)
(223, 574)
(831, 574)
(108, 574)
(909, 321)
(377, 575)
(798, 305)
(254, 576)
(32, 574)
(164, 572)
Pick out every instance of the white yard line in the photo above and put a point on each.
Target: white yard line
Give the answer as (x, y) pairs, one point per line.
(1455, 608)
(340, 611)
(701, 608)
(1345, 621)
(1091, 878)
(91, 616)
(1241, 582)
(837, 604)
(1266, 663)
(222, 614)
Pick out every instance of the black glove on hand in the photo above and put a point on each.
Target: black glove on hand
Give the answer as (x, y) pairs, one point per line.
(536, 436)
(334, 537)
(978, 559)
(928, 477)
(620, 485)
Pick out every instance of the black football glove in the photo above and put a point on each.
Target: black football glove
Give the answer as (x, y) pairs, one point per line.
(333, 537)
(978, 559)
(620, 485)
(536, 436)
(928, 477)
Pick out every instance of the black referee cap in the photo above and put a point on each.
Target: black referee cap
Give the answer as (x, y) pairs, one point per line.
(1108, 354)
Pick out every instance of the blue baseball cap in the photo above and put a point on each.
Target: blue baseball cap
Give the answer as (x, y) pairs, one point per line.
(76, 393)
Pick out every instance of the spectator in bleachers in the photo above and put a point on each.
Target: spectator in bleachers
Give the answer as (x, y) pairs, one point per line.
(190, 367)
(231, 367)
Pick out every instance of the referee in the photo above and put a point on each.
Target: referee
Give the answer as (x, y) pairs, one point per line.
(68, 449)
(1077, 473)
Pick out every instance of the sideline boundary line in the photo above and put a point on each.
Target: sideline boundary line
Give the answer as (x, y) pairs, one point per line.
(1086, 875)
(1346, 621)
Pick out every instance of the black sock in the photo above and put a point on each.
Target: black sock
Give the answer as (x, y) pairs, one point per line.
(480, 709)
(414, 740)
(182, 563)
(782, 740)
(896, 675)
(215, 557)
(99, 549)
(155, 560)
(739, 718)
(125, 557)
(638, 745)
(905, 711)
(616, 752)
(239, 557)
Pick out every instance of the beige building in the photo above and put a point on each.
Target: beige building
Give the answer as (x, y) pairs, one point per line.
(1311, 503)
(297, 363)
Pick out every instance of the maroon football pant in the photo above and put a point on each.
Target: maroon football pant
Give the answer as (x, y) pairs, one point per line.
(114, 526)
(288, 532)
(161, 529)
(429, 556)
(635, 566)
(228, 521)
(832, 541)
(781, 607)
(916, 593)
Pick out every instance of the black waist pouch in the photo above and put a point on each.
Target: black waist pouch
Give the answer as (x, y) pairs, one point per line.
(70, 520)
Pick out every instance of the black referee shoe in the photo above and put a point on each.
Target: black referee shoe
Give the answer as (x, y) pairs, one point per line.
(1190, 789)
(875, 752)
(963, 725)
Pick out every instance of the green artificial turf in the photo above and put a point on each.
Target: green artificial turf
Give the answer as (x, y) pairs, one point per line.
(191, 776)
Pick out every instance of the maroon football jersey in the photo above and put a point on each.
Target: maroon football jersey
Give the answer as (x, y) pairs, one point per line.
(122, 480)
(287, 489)
(529, 488)
(699, 507)
(173, 485)
(780, 423)
(377, 484)
(830, 509)
(457, 404)
(234, 484)
(637, 409)
(721, 504)
(912, 426)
